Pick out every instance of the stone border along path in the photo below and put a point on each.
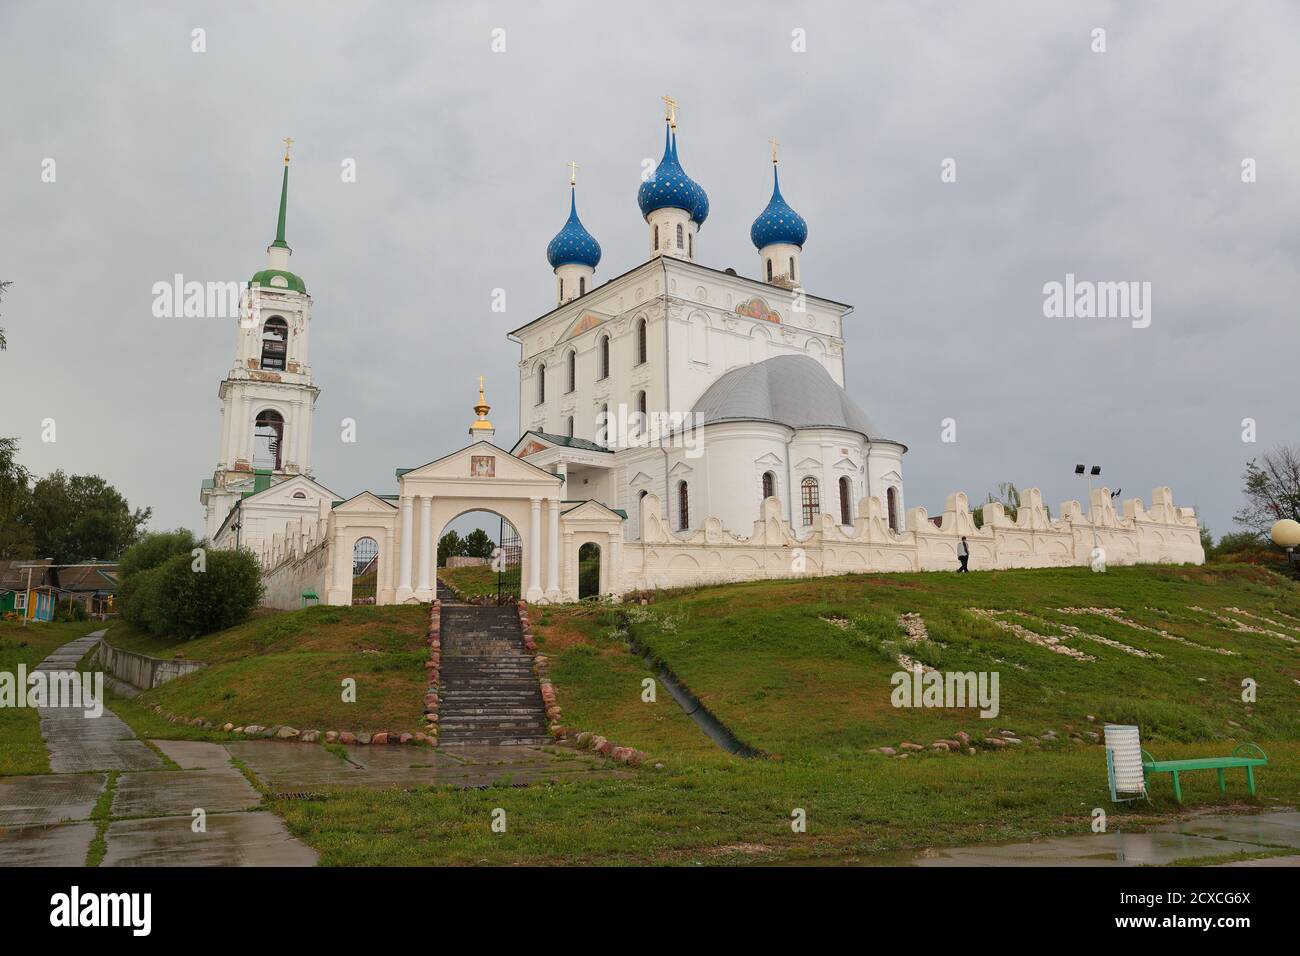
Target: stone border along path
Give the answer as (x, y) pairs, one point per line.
(46, 819)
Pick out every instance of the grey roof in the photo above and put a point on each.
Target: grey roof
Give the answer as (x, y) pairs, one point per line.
(791, 390)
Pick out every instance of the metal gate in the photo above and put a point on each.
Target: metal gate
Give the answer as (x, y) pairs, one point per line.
(508, 562)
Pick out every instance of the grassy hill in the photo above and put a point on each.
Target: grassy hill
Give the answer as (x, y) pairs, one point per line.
(801, 670)
(288, 668)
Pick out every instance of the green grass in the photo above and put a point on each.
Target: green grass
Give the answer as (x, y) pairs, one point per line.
(471, 582)
(288, 668)
(816, 697)
(21, 749)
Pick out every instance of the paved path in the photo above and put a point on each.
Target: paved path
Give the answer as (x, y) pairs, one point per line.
(45, 820)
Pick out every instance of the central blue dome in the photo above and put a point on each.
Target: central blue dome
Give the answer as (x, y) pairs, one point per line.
(573, 244)
(778, 222)
(671, 188)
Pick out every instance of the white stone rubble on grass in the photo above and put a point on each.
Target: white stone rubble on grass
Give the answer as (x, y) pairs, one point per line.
(1114, 614)
(1031, 637)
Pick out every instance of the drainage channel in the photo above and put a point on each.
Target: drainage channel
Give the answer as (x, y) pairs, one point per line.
(713, 728)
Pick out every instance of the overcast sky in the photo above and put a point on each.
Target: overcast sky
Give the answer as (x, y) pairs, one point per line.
(1114, 166)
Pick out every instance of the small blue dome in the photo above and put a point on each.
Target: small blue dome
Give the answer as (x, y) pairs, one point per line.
(573, 244)
(671, 188)
(778, 222)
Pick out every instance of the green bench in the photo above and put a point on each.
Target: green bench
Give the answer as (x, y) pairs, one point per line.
(1248, 756)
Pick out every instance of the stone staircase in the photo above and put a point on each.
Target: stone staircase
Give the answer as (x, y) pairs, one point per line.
(489, 695)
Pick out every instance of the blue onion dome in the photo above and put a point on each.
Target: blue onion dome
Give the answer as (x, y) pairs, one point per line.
(573, 244)
(778, 222)
(671, 188)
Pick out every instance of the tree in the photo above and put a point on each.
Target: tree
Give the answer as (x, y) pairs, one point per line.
(4, 285)
(449, 545)
(78, 517)
(15, 489)
(154, 549)
(478, 544)
(1272, 489)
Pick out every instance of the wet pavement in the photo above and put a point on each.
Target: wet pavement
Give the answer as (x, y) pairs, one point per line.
(1197, 837)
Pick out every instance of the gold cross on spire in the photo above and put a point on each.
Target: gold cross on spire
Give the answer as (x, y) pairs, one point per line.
(288, 142)
(670, 110)
(573, 173)
(775, 143)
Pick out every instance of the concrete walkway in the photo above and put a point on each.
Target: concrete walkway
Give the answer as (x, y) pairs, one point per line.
(45, 820)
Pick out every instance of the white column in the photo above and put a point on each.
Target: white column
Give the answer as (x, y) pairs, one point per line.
(553, 552)
(408, 533)
(424, 589)
(535, 551)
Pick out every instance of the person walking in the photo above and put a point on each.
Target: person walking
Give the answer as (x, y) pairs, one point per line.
(963, 555)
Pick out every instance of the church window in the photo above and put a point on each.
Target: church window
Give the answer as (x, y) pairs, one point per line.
(683, 507)
(561, 288)
(792, 268)
(769, 270)
(275, 343)
(656, 238)
(811, 501)
(540, 372)
(300, 494)
(891, 497)
(642, 353)
(846, 498)
(604, 356)
(769, 485)
(573, 370)
(582, 285)
(680, 244)
(570, 426)
(643, 416)
(690, 245)
(268, 440)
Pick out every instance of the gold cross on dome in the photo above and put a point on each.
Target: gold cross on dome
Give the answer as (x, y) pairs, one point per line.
(288, 142)
(775, 143)
(573, 174)
(670, 109)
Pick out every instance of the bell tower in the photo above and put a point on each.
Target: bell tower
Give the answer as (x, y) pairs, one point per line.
(268, 396)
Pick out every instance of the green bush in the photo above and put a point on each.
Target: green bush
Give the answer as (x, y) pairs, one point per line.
(154, 549)
(172, 599)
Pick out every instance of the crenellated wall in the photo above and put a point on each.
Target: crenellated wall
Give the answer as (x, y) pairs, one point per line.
(1162, 534)
(296, 573)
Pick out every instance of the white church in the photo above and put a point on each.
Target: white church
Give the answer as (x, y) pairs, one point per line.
(691, 424)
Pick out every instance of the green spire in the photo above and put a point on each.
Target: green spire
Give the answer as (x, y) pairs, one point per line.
(284, 201)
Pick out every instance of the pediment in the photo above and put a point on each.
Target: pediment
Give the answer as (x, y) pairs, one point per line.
(845, 465)
(366, 502)
(681, 468)
(767, 459)
(585, 322)
(481, 461)
(282, 492)
(592, 510)
(808, 464)
(641, 479)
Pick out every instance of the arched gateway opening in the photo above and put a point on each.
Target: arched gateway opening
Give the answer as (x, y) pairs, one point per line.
(588, 571)
(365, 570)
(480, 559)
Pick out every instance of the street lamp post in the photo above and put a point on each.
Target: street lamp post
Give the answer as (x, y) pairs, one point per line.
(1093, 472)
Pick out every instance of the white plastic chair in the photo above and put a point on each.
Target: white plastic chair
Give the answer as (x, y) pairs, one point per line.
(1124, 763)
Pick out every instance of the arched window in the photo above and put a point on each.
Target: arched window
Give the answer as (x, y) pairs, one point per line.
(642, 351)
(656, 238)
(561, 288)
(792, 268)
(769, 270)
(300, 494)
(275, 343)
(540, 372)
(643, 416)
(769, 485)
(365, 570)
(891, 499)
(570, 426)
(573, 370)
(846, 497)
(604, 356)
(690, 245)
(683, 507)
(812, 504)
(268, 440)
(680, 243)
(582, 284)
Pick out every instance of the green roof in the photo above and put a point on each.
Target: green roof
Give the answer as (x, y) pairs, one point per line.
(567, 442)
(264, 278)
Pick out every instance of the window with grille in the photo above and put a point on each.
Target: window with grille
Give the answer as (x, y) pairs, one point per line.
(683, 507)
(811, 501)
(846, 505)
